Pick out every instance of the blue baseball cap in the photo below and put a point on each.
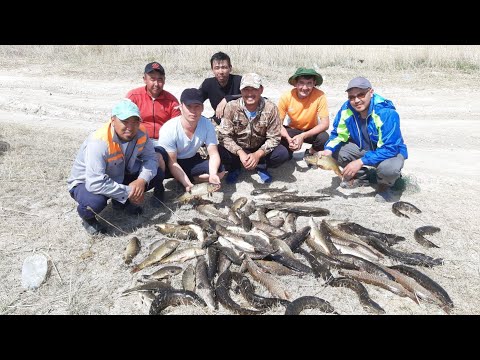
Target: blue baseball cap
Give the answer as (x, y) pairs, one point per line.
(125, 109)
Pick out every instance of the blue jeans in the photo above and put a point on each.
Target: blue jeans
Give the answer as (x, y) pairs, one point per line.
(98, 202)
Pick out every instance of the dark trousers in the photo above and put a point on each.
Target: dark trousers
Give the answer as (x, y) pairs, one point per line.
(194, 166)
(388, 170)
(277, 157)
(318, 141)
(98, 202)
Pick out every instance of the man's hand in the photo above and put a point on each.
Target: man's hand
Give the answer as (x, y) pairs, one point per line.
(189, 186)
(352, 168)
(137, 191)
(297, 141)
(243, 157)
(324, 153)
(214, 179)
(220, 108)
(253, 159)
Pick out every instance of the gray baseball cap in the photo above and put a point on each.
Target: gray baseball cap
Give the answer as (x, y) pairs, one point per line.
(359, 82)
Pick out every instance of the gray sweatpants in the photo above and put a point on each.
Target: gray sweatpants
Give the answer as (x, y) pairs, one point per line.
(388, 171)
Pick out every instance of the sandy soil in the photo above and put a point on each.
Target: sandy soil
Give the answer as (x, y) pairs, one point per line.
(45, 119)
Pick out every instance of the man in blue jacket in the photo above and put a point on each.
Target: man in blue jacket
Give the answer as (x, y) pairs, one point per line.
(366, 132)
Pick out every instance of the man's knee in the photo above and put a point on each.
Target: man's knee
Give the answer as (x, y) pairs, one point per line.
(95, 205)
(388, 174)
(320, 141)
(279, 156)
(161, 162)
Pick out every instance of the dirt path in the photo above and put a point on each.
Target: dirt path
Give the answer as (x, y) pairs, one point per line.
(45, 119)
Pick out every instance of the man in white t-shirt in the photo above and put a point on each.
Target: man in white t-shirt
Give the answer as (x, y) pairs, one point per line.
(181, 137)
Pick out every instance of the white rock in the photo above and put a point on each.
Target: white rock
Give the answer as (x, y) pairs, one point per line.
(34, 271)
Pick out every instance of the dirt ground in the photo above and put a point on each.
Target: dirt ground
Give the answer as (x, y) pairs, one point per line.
(46, 118)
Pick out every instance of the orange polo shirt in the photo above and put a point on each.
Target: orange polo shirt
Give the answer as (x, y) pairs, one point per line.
(156, 112)
(305, 113)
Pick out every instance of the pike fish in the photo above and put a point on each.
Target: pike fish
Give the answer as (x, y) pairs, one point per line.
(183, 232)
(300, 210)
(398, 206)
(429, 284)
(324, 162)
(222, 291)
(183, 255)
(164, 272)
(309, 302)
(203, 286)
(425, 230)
(267, 190)
(274, 286)
(197, 191)
(174, 297)
(150, 286)
(287, 197)
(248, 291)
(356, 229)
(367, 303)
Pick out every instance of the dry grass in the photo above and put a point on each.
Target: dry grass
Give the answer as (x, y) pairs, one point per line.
(438, 108)
(272, 61)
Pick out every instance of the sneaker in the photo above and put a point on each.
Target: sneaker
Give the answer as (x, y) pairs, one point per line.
(372, 176)
(400, 184)
(354, 183)
(384, 194)
(93, 227)
(117, 205)
(232, 176)
(127, 207)
(158, 196)
(133, 209)
(307, 153)
(265, 177)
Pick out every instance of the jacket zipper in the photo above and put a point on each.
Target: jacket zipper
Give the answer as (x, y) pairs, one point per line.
(153, 113)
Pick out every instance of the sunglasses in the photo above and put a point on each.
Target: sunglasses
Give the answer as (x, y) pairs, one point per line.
(360, 95)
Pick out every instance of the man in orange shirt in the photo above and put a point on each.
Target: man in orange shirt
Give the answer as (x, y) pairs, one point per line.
(304, 112)
(156, 107)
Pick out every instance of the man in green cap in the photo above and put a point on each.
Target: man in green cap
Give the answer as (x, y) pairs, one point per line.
(304, 112)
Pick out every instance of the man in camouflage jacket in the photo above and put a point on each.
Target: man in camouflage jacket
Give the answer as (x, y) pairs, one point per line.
(250, 132)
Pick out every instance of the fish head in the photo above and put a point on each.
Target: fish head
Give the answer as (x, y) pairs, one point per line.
(311, 159)
(213, 187)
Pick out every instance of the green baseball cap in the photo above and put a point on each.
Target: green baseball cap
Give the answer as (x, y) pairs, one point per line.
(305, 72)
(125, 109)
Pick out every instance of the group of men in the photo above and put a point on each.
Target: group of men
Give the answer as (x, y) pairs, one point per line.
(151, 136)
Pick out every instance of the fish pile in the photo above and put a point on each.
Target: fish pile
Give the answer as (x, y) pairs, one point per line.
(226, 254)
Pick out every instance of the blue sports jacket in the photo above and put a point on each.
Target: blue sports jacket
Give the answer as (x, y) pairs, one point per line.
(383, 126)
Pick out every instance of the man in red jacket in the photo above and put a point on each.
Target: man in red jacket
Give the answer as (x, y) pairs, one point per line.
(156, 107)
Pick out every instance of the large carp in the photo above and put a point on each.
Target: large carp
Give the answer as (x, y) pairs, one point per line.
(131, 250)
(198, 191)
(324, 162)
